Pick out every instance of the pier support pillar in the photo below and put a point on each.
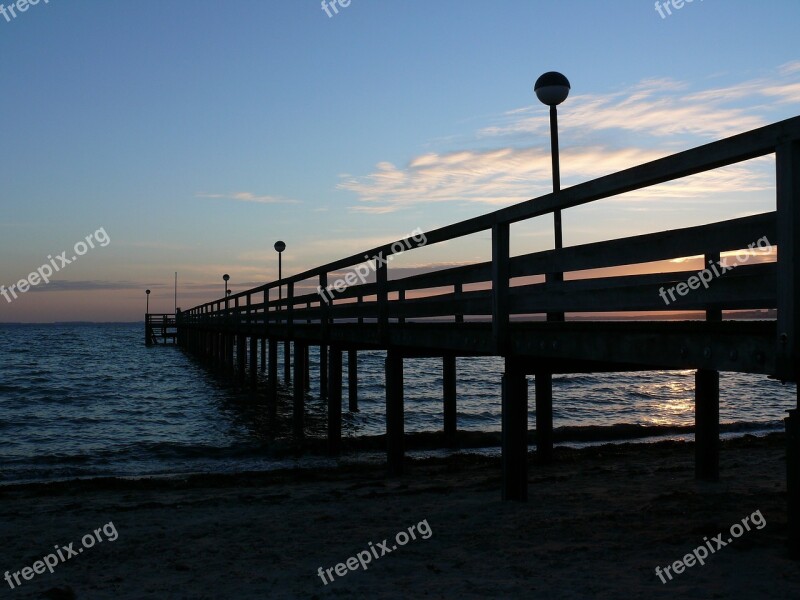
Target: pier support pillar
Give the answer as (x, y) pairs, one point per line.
(272, 376)
(241, 355)
(253, 361)
(706, 425)
(287, 362)
(515, 432)
(229, 351)
(394, 412)
(307, 367)
(543, 385)
(323, 370)
(299, 406)
(449, 392)
(335, 401)
(352, 380)
(793, 479)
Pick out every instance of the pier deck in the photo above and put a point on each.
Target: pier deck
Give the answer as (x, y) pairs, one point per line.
(547, 312)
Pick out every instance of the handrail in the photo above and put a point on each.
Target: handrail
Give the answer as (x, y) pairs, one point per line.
(745, 146)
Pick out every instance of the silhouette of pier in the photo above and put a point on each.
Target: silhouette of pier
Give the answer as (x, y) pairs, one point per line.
(501, 308)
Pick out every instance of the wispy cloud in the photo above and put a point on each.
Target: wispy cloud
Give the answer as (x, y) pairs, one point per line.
(600, 133)
(249, 197)
(85, 286)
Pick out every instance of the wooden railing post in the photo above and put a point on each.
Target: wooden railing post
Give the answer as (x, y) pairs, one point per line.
(788, 220)
(382, 276)
(458, 293)
(706, 405)
(500, 285)
(787, 161)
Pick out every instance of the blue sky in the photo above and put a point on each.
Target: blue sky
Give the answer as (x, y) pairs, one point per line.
(196, 133)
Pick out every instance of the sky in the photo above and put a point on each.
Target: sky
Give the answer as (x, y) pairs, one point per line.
(188, 136)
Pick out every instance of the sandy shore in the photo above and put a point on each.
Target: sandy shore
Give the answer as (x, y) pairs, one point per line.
(597, 524)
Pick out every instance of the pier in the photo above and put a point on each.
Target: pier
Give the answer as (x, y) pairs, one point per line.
(539, 311)
(160, 329)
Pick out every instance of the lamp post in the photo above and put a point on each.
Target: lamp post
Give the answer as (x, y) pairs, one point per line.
(287, 371)
(225, 278)
(279, 248)
(552, 89)
(147, 310)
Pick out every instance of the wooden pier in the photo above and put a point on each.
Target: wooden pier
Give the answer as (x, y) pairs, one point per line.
(514, 307)
(160, 329)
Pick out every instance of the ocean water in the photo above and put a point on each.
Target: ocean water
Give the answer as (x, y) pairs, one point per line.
(93, 400)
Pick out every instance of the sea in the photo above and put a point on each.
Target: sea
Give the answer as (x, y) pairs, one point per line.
(92, 400)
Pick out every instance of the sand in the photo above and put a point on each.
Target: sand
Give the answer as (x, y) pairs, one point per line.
(598, 522)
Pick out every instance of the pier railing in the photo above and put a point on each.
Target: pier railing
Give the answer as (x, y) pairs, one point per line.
(160, 328)
(385, 300)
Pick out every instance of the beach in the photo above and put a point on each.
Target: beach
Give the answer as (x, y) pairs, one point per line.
(598, 522)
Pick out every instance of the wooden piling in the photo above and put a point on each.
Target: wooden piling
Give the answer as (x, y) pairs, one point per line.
(272, 375)
(352, 380)
(706, 425)
(287, 362)
(241, 355)
(515, 432)
(543, 386)
(395, 425)
(792, 423)
(307, 367)
(299, 406)
(323, 370)
(335, 401)
(253, 361)
(449, 393)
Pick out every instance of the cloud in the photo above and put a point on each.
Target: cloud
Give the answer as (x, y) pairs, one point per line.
(85, 286)
(250, 197)
(605, 133)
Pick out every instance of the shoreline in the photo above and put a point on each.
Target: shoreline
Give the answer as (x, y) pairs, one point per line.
(598, 522)
(370, 449)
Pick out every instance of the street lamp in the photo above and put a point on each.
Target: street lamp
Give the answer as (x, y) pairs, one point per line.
(225, 278)
(147, 311)
(552, 89)
(279, 248)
